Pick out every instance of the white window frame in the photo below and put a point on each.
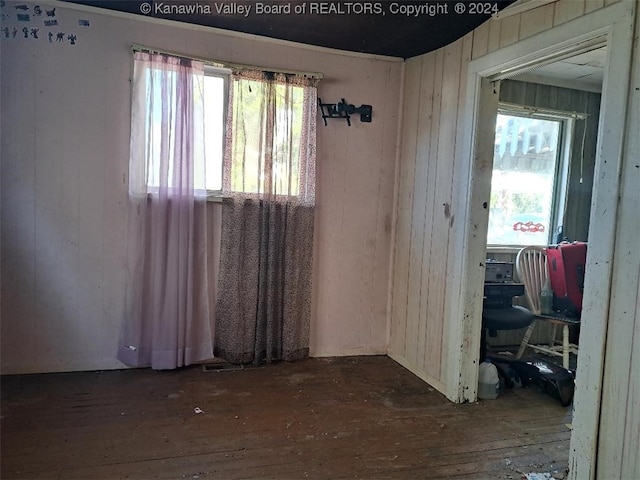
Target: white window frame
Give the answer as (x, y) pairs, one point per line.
(561, 175)
(225, 74)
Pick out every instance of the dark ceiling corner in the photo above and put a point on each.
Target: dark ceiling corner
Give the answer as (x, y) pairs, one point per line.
(393, 28)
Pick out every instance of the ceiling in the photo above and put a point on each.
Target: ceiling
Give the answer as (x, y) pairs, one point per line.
(400, 28)
(584, 71)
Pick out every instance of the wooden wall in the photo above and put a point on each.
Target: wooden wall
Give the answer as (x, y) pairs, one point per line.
(611, 396)
(65, 138)
(435, 86)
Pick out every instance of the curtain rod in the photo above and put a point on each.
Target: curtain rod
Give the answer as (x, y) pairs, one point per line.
(216, 63)
(505, 107)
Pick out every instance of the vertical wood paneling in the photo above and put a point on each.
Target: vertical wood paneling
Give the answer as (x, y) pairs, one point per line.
(591, 5)
(431, 82)
(441, 220)
(415, 250)
(481, 39)
(430, 358)
(448, 90)
(494, 35)
(420, 192)
(536, 20)
(509, 30)
(405, 203)
(566, 11)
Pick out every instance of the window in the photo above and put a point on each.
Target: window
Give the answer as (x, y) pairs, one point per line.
(216, 85)
(206, 130)
(268, 130)
(528, 180)
(210, 93)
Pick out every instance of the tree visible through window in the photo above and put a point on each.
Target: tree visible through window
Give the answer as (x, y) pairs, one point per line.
(523, 184)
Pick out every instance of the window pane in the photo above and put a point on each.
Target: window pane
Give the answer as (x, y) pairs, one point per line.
(267, 126)
(523, 180)
(209, 106)
(214, 113)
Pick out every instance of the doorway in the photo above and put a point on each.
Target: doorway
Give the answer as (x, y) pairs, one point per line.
(583, 34)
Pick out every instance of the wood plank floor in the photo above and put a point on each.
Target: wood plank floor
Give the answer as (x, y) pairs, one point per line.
(354, 417)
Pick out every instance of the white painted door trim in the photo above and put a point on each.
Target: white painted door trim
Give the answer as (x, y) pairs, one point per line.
(613, 24)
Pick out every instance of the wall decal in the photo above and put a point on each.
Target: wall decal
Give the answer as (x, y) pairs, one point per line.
(25, 24)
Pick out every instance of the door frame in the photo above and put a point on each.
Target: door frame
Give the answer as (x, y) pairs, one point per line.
(613, 26)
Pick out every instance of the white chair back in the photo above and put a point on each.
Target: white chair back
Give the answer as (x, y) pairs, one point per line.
(531, 268)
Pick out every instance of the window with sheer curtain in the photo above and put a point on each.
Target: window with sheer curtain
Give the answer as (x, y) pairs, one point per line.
(167, 323)
(264, 297)
(249, 135)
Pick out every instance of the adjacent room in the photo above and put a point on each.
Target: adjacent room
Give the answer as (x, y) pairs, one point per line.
(238, 254)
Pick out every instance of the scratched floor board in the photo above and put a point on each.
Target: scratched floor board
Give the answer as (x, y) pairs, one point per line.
(355, 417)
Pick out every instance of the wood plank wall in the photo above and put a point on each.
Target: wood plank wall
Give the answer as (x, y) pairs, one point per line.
(433, 99)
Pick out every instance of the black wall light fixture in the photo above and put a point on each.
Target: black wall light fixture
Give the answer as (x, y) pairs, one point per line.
(344, 110)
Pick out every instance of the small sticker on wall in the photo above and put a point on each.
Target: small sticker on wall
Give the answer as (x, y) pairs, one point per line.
(24, 17)
(50, 23)
(22, 7)
(72, 38)
(84, 23)
(37, 10)
(51, 13)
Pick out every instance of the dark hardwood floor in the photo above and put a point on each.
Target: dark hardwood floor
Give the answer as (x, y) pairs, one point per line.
(355, 417)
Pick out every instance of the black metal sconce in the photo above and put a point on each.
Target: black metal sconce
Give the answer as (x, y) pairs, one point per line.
(344, 110)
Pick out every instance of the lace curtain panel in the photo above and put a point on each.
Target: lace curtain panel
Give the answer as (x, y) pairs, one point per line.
(264, 291)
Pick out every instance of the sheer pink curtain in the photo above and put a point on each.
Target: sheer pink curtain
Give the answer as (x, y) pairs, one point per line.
(264, 291)
(168, 312)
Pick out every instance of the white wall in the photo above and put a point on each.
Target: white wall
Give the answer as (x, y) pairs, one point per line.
(65, 138)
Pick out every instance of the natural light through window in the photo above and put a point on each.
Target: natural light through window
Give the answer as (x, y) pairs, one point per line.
(211, 93)
(268, 158)
(214, 128)
(523, 184)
